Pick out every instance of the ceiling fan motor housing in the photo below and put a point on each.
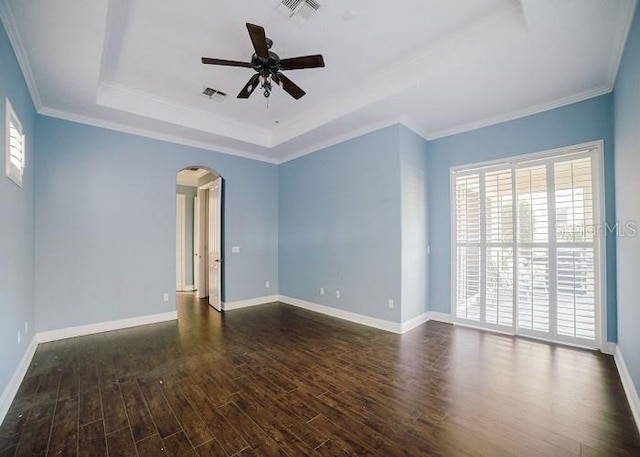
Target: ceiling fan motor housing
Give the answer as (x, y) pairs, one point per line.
(266, 67)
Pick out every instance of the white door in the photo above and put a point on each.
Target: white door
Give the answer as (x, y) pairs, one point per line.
(180, 240)
(215, 258)
(201, 260)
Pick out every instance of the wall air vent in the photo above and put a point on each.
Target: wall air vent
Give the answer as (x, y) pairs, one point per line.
(298, 10)
(213, 94)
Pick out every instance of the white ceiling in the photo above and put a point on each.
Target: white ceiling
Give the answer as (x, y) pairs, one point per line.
(437, 66)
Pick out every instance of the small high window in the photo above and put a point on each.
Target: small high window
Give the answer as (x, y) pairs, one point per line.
(15, 148)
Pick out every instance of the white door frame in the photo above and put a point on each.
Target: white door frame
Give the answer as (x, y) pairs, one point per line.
(181, 227)
(196, 243)
(201, 283)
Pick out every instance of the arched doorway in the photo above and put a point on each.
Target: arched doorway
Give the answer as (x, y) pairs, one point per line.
(199, 233)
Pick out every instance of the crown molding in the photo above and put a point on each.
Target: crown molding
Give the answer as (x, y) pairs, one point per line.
(318, 146)
(487, 122)
(95, 122)
(9, 22)
(626, 16)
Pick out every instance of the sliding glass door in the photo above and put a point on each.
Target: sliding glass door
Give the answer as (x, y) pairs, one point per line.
(526, 248)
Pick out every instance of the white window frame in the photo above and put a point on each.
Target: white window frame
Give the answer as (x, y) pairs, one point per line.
(599, 218)
(13, 172)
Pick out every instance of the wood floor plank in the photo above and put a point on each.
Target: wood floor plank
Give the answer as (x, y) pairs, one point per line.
(211, 449)
(8, 452)
(248, 452)
(194, 427)
(140, 420)
(90, 405)
(160, 410)
(92, 440)
(255, 436)
(228, 437)
(331, 449)
(14, 422)
(64, 434)
(178, 445)
(275, 380)
(121, 443)
(151, 447)
(275, 424)
(113, 409)
(69, 382)
(34, 438)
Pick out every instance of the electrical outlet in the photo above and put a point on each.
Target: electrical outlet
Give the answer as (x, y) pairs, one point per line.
(337, 294)
(26, 327)
(235, 249)
(165, 297)
(19, 337)
(267, 284)
(390, 304)
(322, 291)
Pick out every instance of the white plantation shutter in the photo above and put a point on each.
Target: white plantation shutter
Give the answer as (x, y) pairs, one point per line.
(576, 248)
(467, 198)
(533, 249)
(15, 145)
(484, 247)
(527, 254)
(498, 202)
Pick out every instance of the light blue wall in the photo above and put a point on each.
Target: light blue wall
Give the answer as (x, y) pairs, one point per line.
(589, 120)
(190, 193)
(413, 188)
(340, 225)
(627, 173)
(16, 223)
(105, 223)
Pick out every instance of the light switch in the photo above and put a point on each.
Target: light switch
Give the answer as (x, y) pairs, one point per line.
(235, 249)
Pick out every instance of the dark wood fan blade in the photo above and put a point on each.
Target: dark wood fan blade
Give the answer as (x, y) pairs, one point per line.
(248, 89)
(226, 63)
(289, 86)
(298, 63)
(259, 40)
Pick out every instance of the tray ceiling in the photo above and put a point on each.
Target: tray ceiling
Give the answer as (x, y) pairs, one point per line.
(439, 67)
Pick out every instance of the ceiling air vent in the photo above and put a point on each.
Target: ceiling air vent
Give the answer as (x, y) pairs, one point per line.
(213, 94)
(299, 10)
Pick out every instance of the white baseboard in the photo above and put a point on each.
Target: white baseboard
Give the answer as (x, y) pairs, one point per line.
(229, 306)
(413, 323)
(381, 324)
(425, 317)
(369, 321)
(53, 335)
(189, 288)
(439, 317)
(9, 392)
(627, 382)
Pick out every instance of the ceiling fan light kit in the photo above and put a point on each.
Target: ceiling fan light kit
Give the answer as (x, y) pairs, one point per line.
(269, 66)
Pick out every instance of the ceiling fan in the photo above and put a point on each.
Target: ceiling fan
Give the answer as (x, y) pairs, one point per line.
(268, 66)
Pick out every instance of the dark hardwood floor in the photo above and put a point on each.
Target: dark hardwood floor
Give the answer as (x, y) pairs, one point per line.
(277, 380)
